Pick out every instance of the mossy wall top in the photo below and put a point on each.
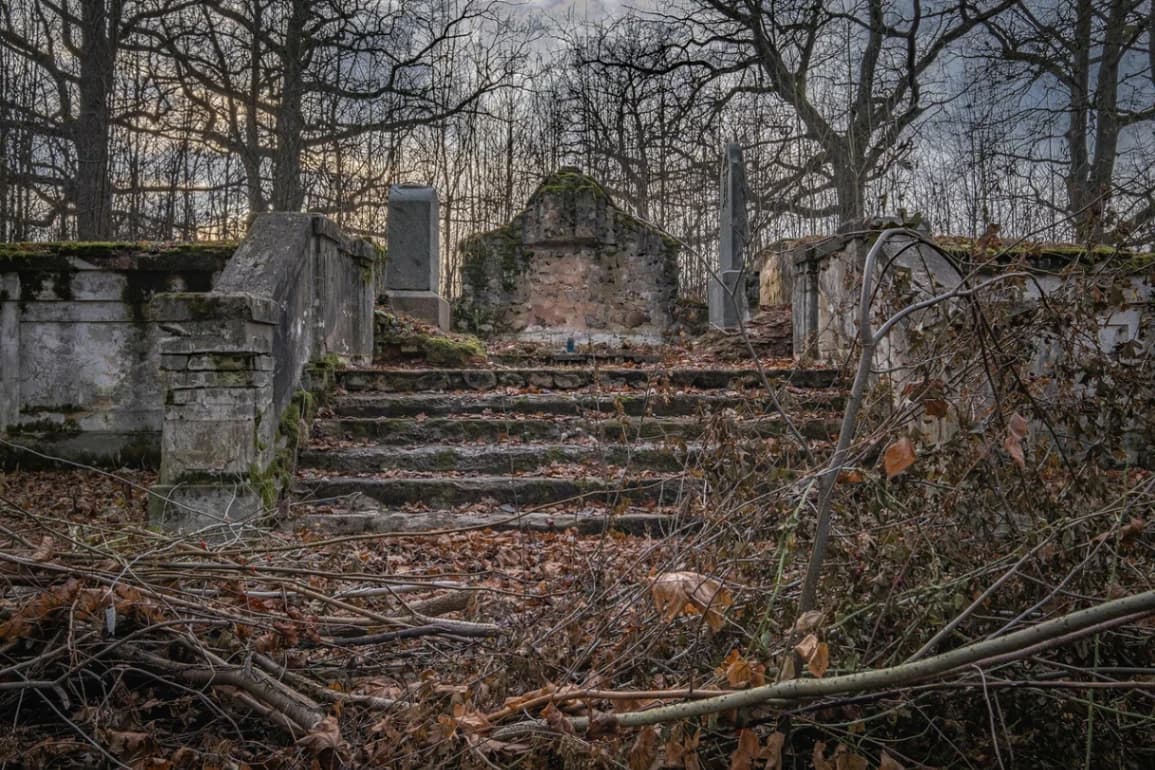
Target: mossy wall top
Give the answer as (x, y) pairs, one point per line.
(570, 262)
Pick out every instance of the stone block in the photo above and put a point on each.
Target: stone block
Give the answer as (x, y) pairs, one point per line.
(413, 262)
(727, 299)
(176, 307)
(424, 305)
(192, 448)
(188, 508)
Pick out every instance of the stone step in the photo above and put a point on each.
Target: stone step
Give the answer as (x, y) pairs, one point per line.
(573, 377)
(415, 431)
(589, 521)
(517, 490)
(683, 403)
(495, 458)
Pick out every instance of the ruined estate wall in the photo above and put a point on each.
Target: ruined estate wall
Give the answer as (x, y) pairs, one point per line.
(79, 358)
(296, 292)
(571, 263)
(1078, 327)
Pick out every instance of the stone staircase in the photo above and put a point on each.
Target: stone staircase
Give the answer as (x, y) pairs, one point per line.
(548, 447)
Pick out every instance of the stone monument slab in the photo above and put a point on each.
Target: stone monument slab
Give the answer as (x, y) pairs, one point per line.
(413, 264)
(727, 292)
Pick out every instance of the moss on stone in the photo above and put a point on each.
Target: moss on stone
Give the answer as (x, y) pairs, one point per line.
(399, 337)
(292, 431)
(570, 180)
(46, 428)
(453, 352)
(21, 255)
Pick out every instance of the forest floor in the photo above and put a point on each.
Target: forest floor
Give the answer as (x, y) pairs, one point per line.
(123, 647)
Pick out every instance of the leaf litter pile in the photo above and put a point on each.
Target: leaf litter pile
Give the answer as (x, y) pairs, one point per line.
(121, 647)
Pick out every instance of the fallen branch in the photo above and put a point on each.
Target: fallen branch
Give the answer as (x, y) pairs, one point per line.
(1026, 642)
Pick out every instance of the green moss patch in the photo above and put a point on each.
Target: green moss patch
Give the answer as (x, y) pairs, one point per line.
(399, 337)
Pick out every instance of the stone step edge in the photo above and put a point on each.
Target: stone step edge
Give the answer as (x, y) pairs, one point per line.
(507, 458)
(419, 522)
(367, 404)
(450, 491)
(571, 378)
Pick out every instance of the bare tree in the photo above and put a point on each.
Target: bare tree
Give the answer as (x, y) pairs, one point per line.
(74, 45)
(857, 78)
(278, 83)
(1083, 72)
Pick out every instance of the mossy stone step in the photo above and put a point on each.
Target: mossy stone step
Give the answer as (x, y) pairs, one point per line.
(628, 403)
(517, 490)
(494, 459)
(585, 522)
(572, 378)
(434, 430)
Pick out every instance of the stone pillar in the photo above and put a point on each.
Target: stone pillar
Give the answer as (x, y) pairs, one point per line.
(219, 437)
(9, 350)
(727, 295)
(413, 259)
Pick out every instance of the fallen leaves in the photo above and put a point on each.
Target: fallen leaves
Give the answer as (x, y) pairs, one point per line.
(1017, 430)
(643, 753)
(741, 672)
(689, 593)
(815, 653)
(897, 457)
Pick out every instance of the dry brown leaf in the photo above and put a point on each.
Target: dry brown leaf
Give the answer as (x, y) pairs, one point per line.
(470, 720)
(1017, 430)
(887, 762)
(746, 752)
(808, 621)
(819, 757)
(689, 593)
(852, 476)
(1014, 448)
(643, 754)
(556, 720)
(786, 671)
(682, 749)
(772, 753)
(44, 550)
(807, 647)
(898, 457)
(125, 743)
(935, 407)
(1131, 529)
(820, 661)
(845, 760)
(740, 672)
(326, 736)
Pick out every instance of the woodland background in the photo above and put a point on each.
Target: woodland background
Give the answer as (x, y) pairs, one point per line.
(177, 119)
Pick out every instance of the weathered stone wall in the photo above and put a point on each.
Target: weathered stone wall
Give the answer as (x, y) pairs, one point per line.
(570, 263)
(79, 357)
(297, 292)
(1072, 316)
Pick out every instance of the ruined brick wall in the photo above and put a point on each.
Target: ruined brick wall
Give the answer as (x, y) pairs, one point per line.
(570, 263)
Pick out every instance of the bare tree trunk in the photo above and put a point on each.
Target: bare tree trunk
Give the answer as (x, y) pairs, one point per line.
(92, 189)
(288, 194)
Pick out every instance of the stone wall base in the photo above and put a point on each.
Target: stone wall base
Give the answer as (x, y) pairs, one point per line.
(189, 508)
(426, 306)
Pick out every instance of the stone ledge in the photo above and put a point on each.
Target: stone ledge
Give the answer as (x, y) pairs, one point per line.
(213, 306)
(186, 508)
